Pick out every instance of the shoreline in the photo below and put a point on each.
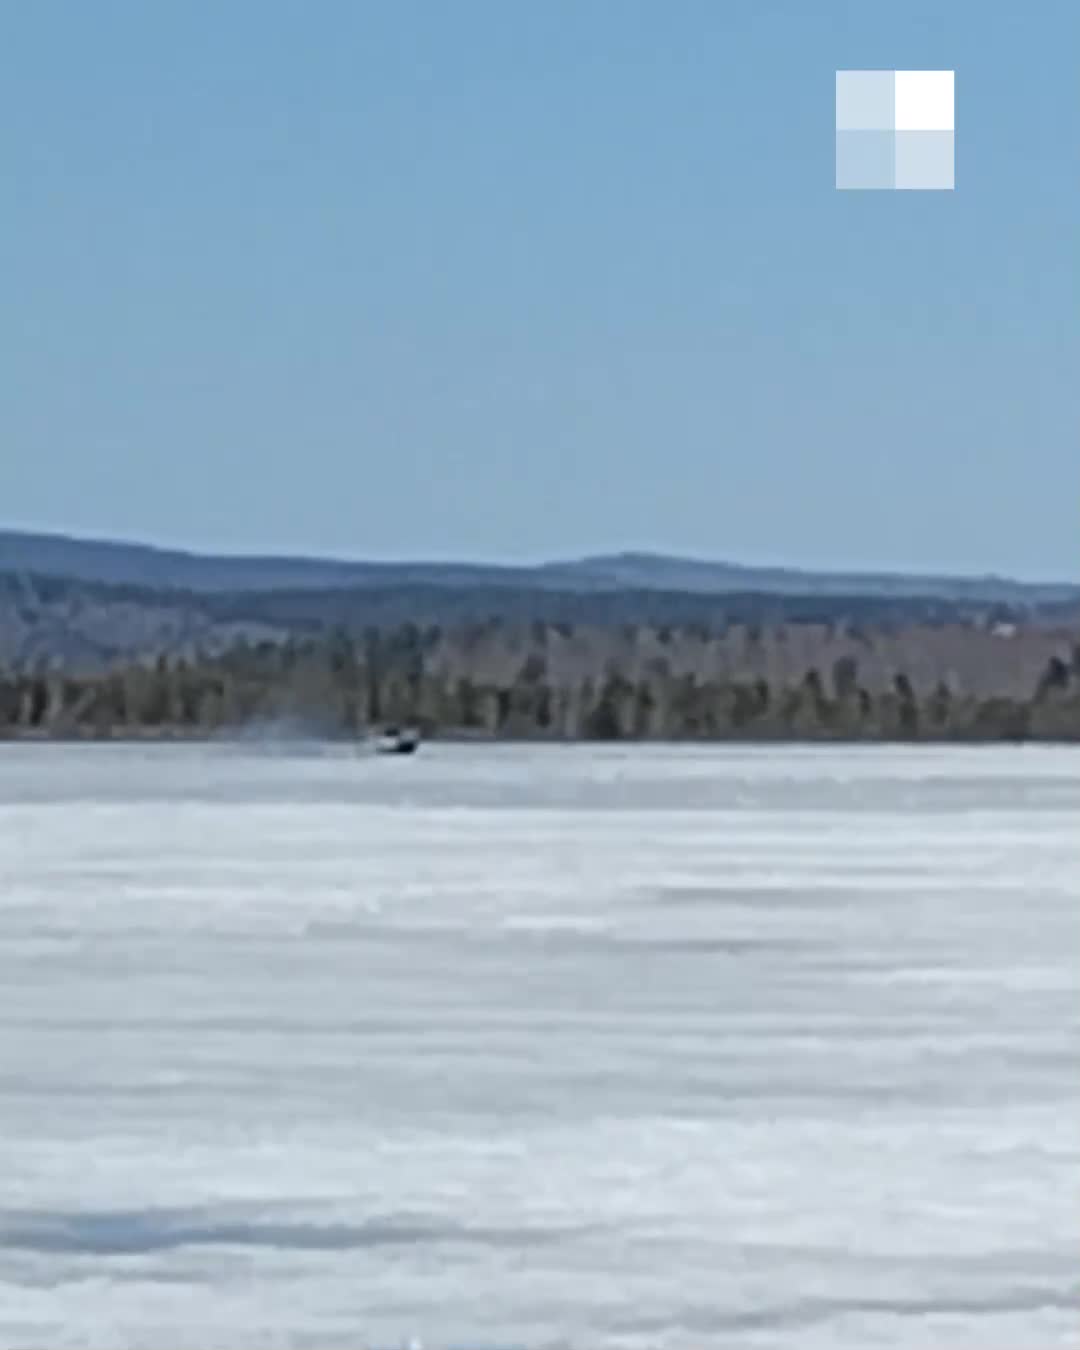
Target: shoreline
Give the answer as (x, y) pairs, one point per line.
(250, 737)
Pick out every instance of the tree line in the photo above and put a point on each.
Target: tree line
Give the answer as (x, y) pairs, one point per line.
(342, 684)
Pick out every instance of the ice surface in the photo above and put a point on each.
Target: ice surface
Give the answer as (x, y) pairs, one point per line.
(505, 1047)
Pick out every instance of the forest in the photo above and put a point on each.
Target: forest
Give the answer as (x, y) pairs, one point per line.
(800, 683)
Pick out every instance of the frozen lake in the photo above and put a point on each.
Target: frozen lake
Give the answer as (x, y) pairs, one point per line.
(502, 1048)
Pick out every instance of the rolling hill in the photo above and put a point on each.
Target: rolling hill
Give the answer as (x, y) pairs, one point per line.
(125, 564)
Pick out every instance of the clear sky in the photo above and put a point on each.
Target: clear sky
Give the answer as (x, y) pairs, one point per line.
(509, 280)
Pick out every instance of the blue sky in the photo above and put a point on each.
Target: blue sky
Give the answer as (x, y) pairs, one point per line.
(509, 280)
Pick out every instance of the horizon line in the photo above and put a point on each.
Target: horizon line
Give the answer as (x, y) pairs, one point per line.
(611, 555)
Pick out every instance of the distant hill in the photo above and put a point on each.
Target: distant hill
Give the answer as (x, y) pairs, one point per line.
(659, 572)
(121, 564)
